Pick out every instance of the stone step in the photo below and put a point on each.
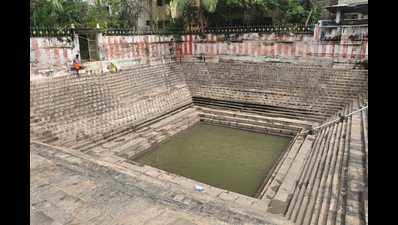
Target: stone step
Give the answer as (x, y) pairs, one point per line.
(237, 119)
(355, 211)
(323, 200)
(275, 181)
(304, 194)
(277, 165)
(280, 202)
(263, 109)
(250, 127)
(291, 213)
(330, 211)
(297, 123)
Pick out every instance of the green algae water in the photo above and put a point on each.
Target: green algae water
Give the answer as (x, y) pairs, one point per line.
(226, 158)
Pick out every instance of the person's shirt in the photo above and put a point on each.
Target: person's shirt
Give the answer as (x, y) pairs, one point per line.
(76, 61)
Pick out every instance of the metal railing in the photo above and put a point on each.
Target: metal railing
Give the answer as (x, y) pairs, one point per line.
(340, 119)
(37, 31)
(50, 32)
(279, 28)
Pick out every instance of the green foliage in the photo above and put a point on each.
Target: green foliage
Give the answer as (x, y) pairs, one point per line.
(122, 13)
(257, 12)
(209, 5)
(294, 12)
(77, 12)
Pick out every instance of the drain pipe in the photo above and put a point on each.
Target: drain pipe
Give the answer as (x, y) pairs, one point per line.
(340, 119)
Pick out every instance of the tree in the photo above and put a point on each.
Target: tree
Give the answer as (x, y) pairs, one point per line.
(131, 11)
(241, 11)
(192, 8)
(78, 12)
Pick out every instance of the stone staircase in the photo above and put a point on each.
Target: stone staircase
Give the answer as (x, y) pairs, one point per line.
(322, 178)
(252, 121)
(133, 142)
(292, 91)
(69, 110)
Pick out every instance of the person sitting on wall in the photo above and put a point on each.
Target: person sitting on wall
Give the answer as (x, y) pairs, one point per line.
(77, 65)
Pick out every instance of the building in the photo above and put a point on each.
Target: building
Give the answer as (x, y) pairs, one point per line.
(154, 14)
(350, 12)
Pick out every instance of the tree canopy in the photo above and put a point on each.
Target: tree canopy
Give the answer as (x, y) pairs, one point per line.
(106, 13)
(120, 13)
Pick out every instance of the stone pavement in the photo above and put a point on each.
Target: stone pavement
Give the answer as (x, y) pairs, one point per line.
(64, 191)
(63, 196)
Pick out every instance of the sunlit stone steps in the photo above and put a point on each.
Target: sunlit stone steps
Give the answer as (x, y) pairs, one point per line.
(123, 130)
(250, 121)
(266, 110)
(281, 170)
(322, 179)
(356, 168)
(312, 197)
(321, 91)
(93, 105)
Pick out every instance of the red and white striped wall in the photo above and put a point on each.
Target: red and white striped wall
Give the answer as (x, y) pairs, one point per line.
(295, 46)
(51, 51)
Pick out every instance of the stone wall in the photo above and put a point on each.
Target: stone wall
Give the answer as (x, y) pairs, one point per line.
(296, 47)
(68, 109)
(140, 48)
(264, 45)
(283, 90)
(53, 50)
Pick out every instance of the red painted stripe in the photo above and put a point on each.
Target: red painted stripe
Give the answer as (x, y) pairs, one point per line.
(185, 50)
(189, 45)
(115, 47)
(65, 51)
(279, 52)
(286, 50)
(267, 50)
(353, 52)
(300, 49)
(345, 48)
(120, 48)
(57, 56)
(272, 52)
(35, 46)
(333, 49)
(49, 58)
(293, 50)
(111, 51)
(363, 49)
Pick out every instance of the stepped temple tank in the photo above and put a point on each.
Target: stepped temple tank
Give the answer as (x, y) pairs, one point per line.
(142, 139)
(222, 157)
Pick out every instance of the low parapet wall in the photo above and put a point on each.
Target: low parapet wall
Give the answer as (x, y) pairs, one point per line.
(45, 51)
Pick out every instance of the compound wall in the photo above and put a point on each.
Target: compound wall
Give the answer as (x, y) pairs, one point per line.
(352, 47)
(52, 50)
